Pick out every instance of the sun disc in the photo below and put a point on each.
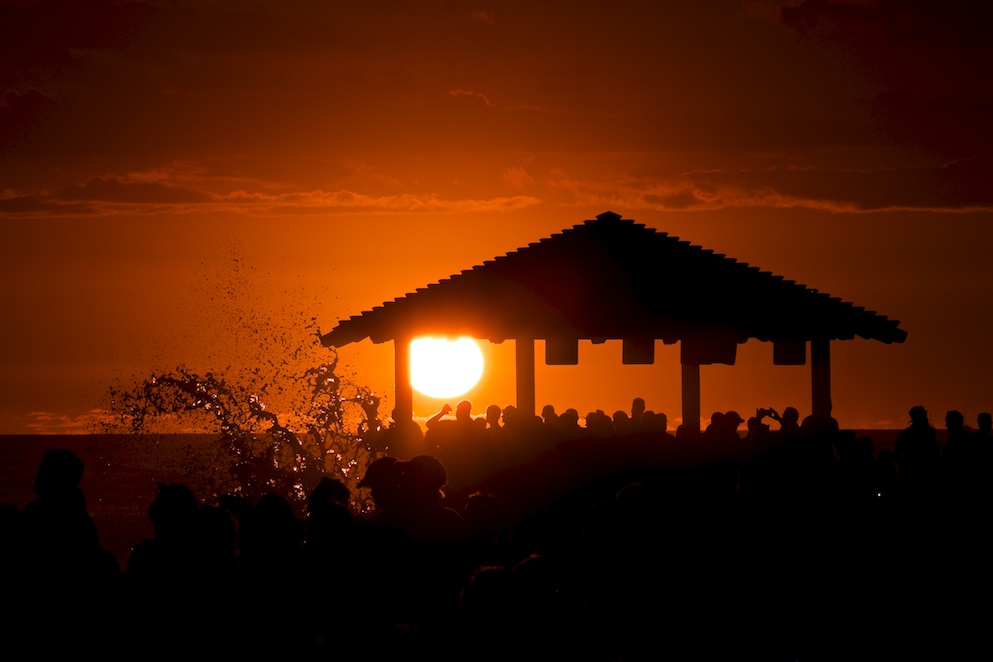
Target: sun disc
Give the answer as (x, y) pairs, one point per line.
(442, 368)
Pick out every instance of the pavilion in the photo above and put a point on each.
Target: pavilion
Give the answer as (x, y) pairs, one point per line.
(614, 279)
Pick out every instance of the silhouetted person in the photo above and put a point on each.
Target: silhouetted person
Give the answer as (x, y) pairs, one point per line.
(424, 517)
(918, 454)
(63, 545)
(382, 479)
(820, 426)
(511, 416)
(637, 413)
(757, 431)
(958, 446)
(820, 431)
(493, 414)
(165, 561)
(424, 546)
(548, 415)
(216, 536)
(781, 462)
(64, 597)
(715, 426)
(984, 425)
(961, 462)
(568, 425)
(331, 563)
(494, 451)
(723, 428)
(189, 561)
(459, 443)
(329, 525)
(403, 437)
(622, 423)
(789, 422)
(657, 424)
(270, 541)
(599, 425)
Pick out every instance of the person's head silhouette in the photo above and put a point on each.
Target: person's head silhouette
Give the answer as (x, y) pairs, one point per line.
(382, 478)
(423, 478)
(463, 410)
(60, 470)
(918, 415)
(493, 414)
(637, 409)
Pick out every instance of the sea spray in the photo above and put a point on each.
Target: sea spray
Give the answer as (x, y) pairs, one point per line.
(279, 410)
(333, 435)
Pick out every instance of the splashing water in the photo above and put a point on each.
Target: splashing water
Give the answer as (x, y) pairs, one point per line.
(264, 453)
(325, 425)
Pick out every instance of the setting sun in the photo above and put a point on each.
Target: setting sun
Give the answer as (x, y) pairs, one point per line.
(442, 368)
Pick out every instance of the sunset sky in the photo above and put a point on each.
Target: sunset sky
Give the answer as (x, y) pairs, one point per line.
(191, 182)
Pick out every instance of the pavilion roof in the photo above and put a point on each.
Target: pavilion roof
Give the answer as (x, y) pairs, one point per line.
(613, 278)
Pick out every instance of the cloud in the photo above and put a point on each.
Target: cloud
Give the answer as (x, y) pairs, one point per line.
(917, 117)
(676, 199)
(480, 16)
(47, 422)
(953, 187)
(924, 62)
(117, 190)
(13, 205)
(517, 178)
(20, 112)
(809, 15)
(324, 202)
(958, 186)
(56, 34)
(112, 196)
(959, 23)
(628, 182)
(473, 95)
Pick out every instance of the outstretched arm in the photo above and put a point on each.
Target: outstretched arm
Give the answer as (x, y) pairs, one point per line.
(445, 410)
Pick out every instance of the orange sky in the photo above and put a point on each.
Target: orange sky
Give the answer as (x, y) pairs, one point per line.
(182, 182)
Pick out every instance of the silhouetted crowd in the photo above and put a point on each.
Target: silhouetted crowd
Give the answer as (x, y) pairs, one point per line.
(509, 537)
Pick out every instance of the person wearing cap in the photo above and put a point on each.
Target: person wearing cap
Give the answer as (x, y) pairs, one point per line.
(382, 479)
(723, 427)
(418, 542)
(733, 420)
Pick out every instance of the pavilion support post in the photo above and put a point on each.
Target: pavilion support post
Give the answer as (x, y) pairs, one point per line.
(691, 397)
(524, 348)
(404, 399)
(820, 376)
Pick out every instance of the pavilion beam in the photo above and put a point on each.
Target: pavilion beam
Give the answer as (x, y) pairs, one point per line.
(691, 396)
(524, 350)
(820, 376)
(404, 398)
